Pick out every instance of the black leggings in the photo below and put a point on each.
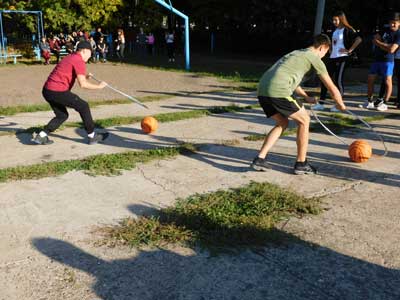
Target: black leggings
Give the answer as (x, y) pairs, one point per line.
(336, 68)
(59, 101)
(396, 74)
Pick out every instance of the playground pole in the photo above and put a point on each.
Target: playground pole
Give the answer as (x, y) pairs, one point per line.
(319, 17)
(3, 49)
(186, 18)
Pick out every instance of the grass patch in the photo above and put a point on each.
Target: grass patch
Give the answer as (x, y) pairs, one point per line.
(162, 118)
(240, 217)
(13, 110)
(103, 164)
(337, 125)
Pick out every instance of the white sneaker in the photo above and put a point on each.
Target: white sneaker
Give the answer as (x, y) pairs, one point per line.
(382, 107)
(318, 107)
(334, 109)
(368, 105)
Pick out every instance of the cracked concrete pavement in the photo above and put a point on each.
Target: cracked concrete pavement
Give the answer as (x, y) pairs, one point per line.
(350, 251)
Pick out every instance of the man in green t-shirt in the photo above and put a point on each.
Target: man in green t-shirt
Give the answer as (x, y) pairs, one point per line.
(275, 91)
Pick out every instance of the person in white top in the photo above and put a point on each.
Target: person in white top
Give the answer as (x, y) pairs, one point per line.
(345, 40)
(120, 44)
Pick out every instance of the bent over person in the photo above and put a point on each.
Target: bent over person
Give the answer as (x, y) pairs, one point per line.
(57, 92)
(275, 96)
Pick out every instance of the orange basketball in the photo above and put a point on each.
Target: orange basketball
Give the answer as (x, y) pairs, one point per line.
(149, 124)
(360, 151)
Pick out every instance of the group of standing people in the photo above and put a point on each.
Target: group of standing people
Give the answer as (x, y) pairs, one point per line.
(386, 63)
(283, 79)
(145, 43)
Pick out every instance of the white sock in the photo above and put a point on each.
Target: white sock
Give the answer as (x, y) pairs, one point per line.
(42, 134)
(91, 135)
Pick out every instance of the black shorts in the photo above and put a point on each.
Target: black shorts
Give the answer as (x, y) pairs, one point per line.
(283, 106)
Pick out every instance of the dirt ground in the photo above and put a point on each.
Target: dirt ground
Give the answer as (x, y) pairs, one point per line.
(48, 251)
(23, 84)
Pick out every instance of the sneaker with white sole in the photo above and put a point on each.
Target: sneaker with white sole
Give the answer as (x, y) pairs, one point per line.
(260, 164)
(301, 168)
(380, 105)
(98, 137)
(368, 105)
(42, 140)
(318, 107)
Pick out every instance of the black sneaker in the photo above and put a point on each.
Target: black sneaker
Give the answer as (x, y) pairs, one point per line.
(42, 140)
(260, 164)
(98, 137)
(301, 168)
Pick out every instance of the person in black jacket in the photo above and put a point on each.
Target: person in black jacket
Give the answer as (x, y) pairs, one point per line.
(345, 40)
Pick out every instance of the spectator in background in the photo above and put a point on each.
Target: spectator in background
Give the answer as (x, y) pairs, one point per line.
(120, 44)
(345, 40)
(383, 65)
(97, 35)
(69, 44)
(55, 48)
(94, 47)
(101, 50)
(170, 40)
(75, 37)
(81, 36)
(141, 42)
(45, 50)
(396, 71)
(150, 43)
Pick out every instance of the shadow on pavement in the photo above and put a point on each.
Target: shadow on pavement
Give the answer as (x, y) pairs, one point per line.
(294, 269)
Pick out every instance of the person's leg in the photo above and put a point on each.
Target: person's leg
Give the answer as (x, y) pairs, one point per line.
(121, 50)
(382, 89)
(341, 68)
(371, 81)
(397, 75)
(388, 87)
(68, 99)
(302, 119)
(82, 107)
(55, 102)
(61, 116)
(281, 123)
(331, 71)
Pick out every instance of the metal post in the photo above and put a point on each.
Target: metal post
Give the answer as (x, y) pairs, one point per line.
(187, 28)
(41, 22)
(3, 52)
(319, 17)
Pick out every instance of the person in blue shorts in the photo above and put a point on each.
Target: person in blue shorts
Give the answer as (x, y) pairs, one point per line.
(383, 65)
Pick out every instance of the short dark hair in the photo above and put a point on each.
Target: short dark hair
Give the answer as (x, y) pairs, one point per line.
(321, 39)
(394, 16)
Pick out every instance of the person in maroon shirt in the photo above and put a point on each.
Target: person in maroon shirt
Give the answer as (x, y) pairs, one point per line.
(57, 92)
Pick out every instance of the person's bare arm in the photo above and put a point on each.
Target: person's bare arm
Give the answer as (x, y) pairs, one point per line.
(333, 91)
(357, 42)
(84, 83)
(390, 48)
(302, 93)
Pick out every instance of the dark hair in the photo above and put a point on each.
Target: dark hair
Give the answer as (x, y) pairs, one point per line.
(343, 20)
(395, 16)
(321, 39)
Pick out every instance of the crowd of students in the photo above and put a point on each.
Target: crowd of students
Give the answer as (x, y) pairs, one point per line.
(143, 44)
(58, 44)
